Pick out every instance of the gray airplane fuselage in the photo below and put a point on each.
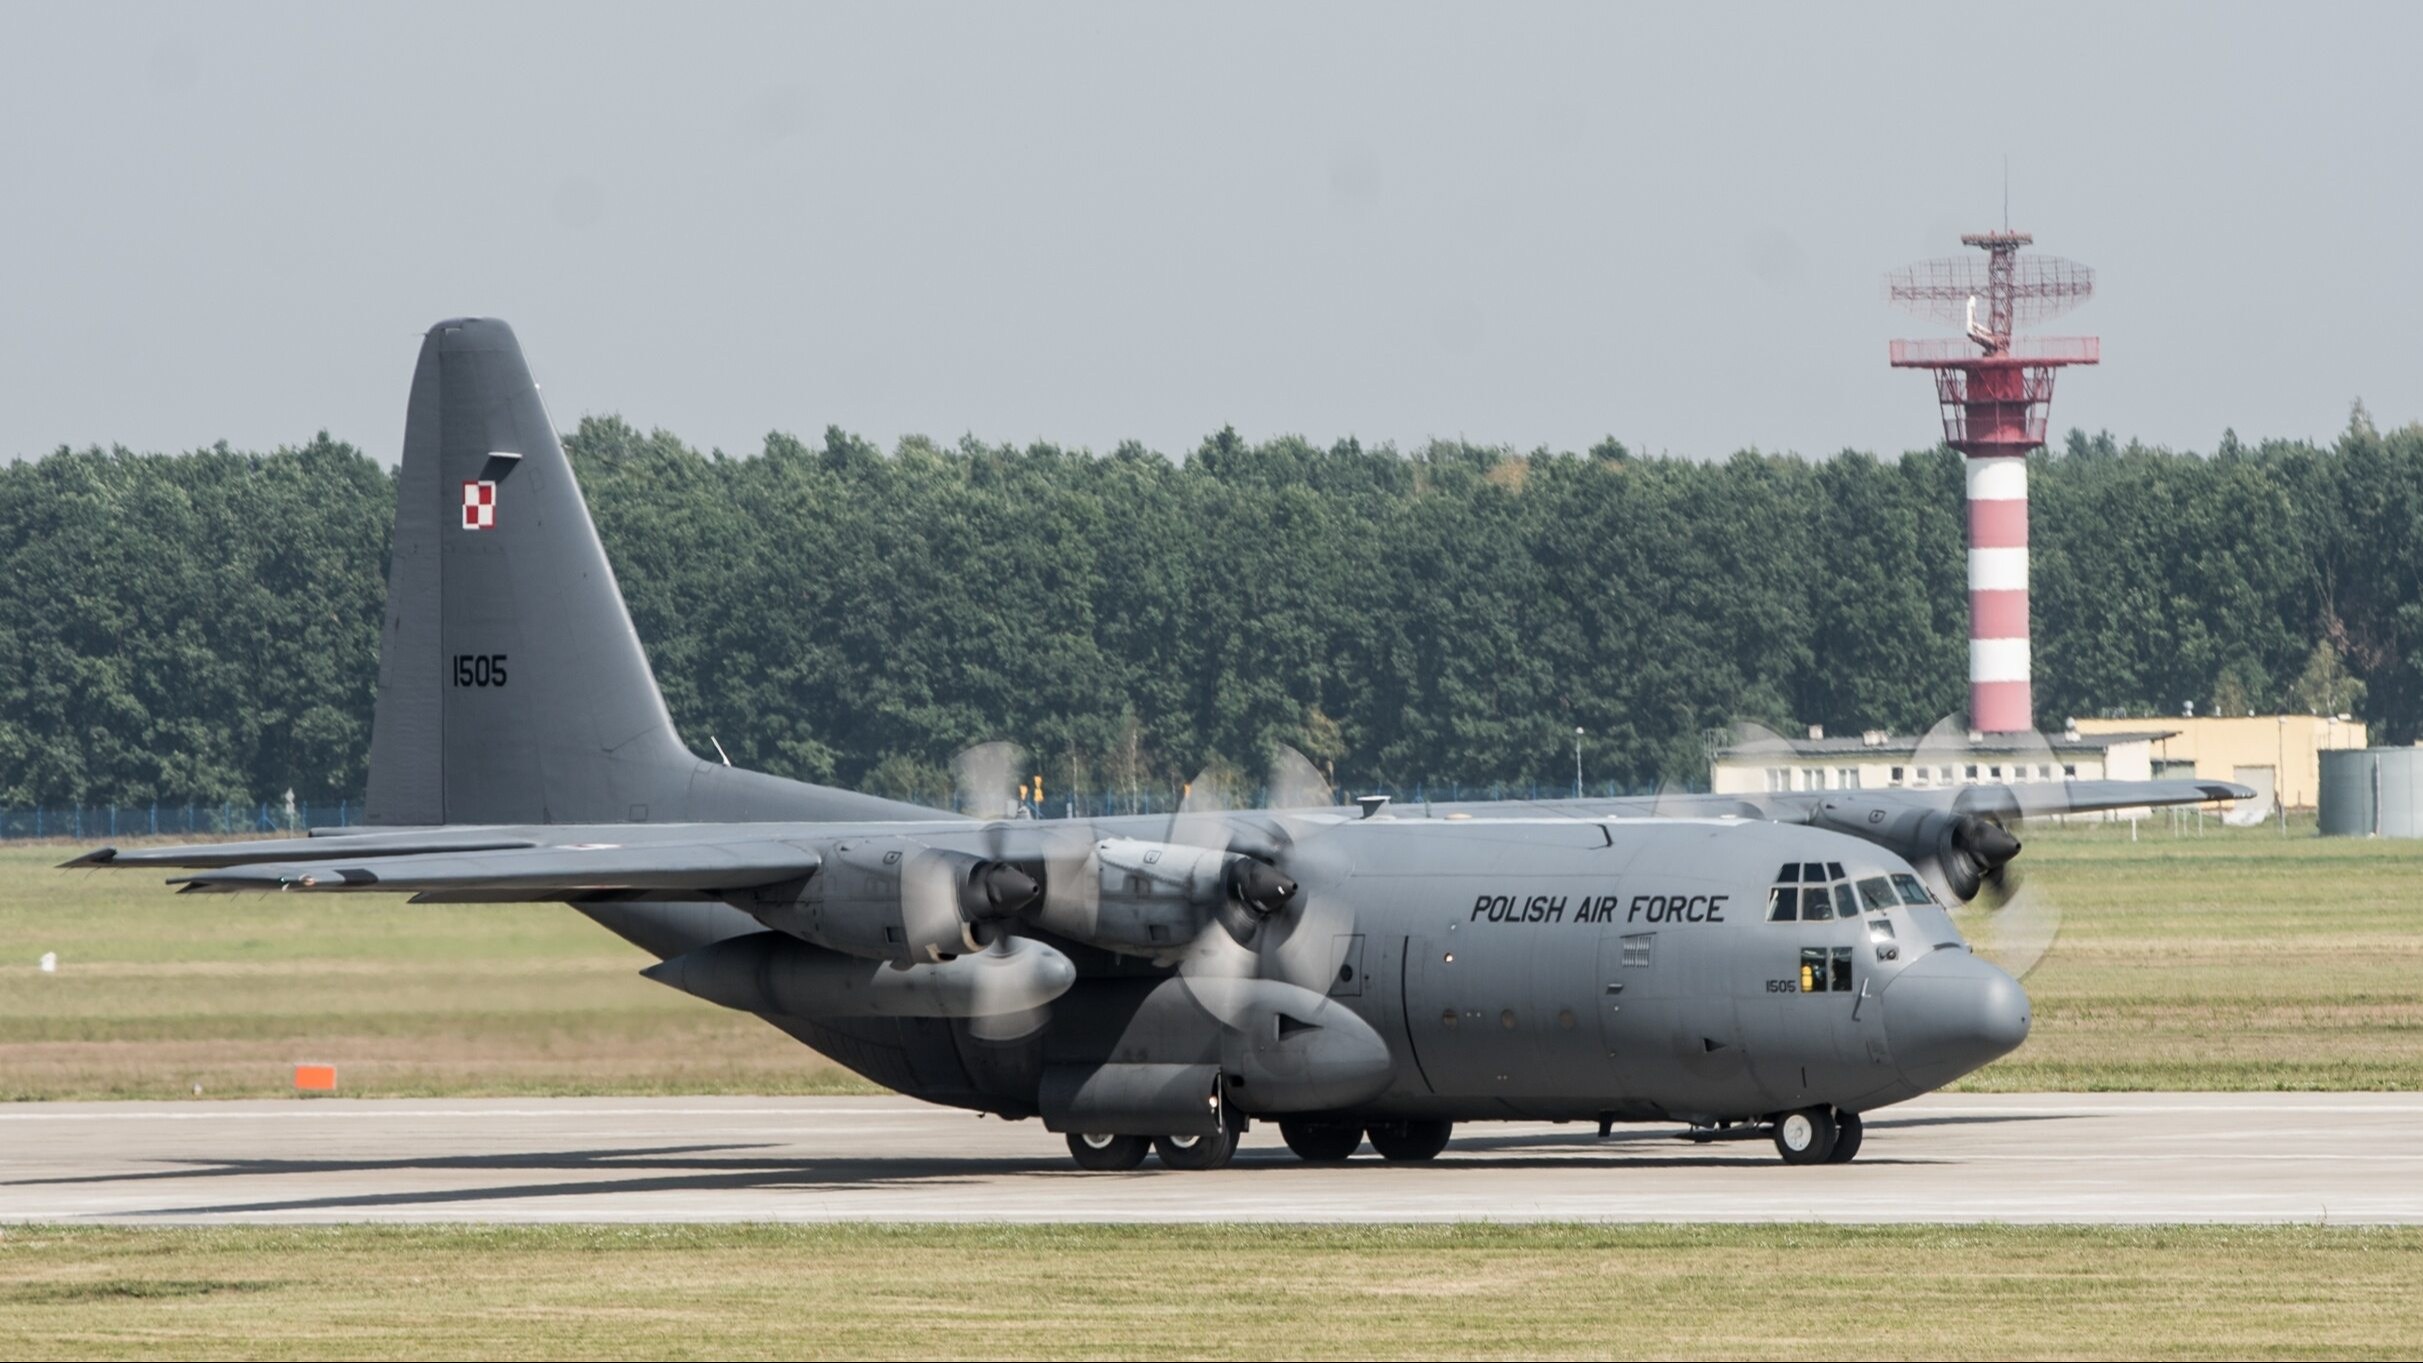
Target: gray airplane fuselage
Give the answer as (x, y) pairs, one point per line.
(1545, 967)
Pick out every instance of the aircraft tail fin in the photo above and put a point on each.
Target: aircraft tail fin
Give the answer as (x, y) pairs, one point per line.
(512, 687)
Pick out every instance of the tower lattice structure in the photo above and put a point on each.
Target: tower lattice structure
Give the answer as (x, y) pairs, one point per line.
(1996, 391)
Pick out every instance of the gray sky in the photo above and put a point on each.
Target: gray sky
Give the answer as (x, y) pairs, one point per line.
(1088, 223)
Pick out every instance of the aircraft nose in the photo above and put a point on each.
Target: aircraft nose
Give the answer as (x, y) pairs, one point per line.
(1948, 1013)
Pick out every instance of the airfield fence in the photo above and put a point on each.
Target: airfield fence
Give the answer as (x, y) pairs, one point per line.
(268, 818)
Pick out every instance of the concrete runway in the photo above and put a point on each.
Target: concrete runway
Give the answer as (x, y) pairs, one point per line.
(1986, 1157)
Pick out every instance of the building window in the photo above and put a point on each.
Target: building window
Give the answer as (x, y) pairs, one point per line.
(1897, 775)
(2070, 770)
(1846, 778)
(1971, 772)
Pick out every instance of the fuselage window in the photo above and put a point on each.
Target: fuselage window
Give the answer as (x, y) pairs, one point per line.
(1825, 970)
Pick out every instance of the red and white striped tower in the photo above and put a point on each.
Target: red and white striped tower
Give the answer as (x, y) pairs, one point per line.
(1995, 391)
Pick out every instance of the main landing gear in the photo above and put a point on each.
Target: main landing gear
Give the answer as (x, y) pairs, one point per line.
(1100, 1152)
(1327, 1142)
(1818, 1135)
(1320, 1142)
(1107, 1153)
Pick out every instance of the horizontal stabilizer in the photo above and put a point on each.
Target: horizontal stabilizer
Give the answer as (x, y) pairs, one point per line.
(406, 842)
(534, 872)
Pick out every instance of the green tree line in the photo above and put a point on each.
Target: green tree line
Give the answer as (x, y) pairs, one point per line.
(204, 626)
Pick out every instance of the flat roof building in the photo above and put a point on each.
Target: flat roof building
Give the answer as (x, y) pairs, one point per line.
(2278, 755)
(1877, 760)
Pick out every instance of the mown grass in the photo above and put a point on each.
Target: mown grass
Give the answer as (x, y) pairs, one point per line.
(2231, 959)
(2238, 959)
(158, 996)
(1211, 1291)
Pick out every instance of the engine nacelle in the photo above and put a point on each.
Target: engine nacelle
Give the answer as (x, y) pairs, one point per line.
(1962, 849)
(896, 899)
(1153, 898)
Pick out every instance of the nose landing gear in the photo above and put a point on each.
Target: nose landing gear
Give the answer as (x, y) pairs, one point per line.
(1818, 1135)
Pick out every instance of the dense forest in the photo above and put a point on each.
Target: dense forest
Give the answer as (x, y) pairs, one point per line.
(204, 626)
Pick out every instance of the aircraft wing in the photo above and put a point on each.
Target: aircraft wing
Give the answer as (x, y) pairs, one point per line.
(2000, 801)
(533, 872)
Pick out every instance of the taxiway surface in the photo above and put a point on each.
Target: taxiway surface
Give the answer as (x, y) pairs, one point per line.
(2111, 1158)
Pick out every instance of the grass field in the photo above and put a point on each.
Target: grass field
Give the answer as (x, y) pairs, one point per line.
(1225, 1292)
(2236, 959)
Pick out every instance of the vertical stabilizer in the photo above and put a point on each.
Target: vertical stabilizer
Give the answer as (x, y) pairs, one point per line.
(512, 688)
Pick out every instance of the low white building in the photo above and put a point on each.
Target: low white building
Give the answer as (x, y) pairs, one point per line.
(1881, 761)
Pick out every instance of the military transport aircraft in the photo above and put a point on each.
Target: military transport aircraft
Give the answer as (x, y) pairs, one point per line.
(1780, 964)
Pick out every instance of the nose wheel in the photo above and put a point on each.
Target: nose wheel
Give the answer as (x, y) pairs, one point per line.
(1818, 1135)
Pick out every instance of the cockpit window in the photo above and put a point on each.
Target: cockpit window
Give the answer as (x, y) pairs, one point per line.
(1913, 890)
(1812, 870)
(1816, 903)
(1783, 904)
(1834, 870)
(1877, 893)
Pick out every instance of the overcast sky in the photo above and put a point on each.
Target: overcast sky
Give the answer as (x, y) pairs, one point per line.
(1528, 225)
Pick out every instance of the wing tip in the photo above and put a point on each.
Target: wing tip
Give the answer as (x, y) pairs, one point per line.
(2226, 790)
(99, 856)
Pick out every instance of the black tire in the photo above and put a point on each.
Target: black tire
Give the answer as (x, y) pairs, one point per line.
(1805, 1136)
(1107, 1154)
(1197, 1152)
(1847, 1130)
(1322, 1142)
(1410, 1140)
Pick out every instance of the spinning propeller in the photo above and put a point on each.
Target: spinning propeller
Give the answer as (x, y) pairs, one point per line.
(2003, 779)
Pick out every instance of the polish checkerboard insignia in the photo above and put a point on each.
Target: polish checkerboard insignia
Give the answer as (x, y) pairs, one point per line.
(479, 504)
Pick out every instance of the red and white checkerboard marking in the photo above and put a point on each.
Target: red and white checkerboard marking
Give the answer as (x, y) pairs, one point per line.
(479, 504)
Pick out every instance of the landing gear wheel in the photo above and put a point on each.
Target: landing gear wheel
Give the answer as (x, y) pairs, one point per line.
(1805, 1136)
(1197, 1152)
(1105, 1153)
(1322, 1142)
(1410, 1140)
(1847, 1129)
